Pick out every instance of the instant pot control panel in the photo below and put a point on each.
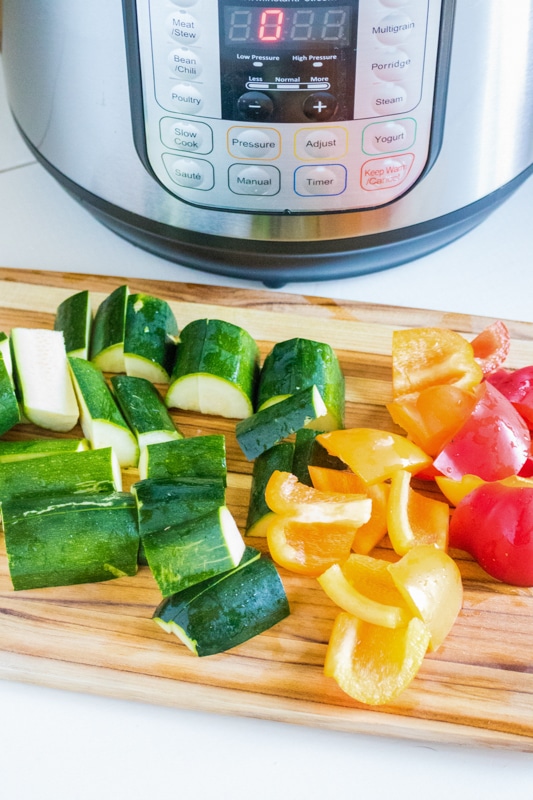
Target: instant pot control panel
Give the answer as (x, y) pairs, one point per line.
(285, 106)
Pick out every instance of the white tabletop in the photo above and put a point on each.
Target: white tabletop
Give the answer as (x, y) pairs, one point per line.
(58, 745)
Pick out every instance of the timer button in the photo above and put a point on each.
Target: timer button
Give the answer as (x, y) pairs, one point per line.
(320, 106)
(317, 181)
(255, 106)
(183, 27)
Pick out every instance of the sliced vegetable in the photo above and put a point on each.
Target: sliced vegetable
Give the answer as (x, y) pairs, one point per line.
(308, 452)
(454, 491)
(278, 457)
(494, 523)
(225, 611)
(308, 548)
(380, 604)
(423, 357)
(371, 663)
(216, 370)
(74, 319)
(58, 540)
(60, 473)
(144, 410)
(414, 519)
(187, 553)
(491, 346)
(267, 427)
(430, 582)
(191, 457)
(493, 443)
(9, 407)
(101, 420)
(285, 495)
(5, 352)
(297, 364)
(108, 331)
(334, 480)
(150, 338)
(373, 454)
(517, 387)
(34, 448)
(43, 378)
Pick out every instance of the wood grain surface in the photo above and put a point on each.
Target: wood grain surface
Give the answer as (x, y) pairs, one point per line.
(99, 638)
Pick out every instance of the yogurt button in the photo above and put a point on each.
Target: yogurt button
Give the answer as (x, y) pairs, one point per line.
(185, 64)
(186, 98)
(387, 137)
(183, 27)
(393, 29)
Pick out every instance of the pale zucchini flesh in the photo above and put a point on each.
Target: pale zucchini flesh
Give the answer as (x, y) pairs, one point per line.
(43, 378)
(5, 352)
(34, 448)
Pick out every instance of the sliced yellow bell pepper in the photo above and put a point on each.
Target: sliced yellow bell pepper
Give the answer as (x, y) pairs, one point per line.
(414, 519)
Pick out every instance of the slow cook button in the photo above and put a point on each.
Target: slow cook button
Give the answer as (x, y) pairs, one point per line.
(192, 173)
(183, 27)
(386, 173)
(252, 179)
(254, 142)
(315, 181)
(186, 98)
(191, 137)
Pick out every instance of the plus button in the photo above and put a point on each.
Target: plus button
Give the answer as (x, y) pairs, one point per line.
(320, 106)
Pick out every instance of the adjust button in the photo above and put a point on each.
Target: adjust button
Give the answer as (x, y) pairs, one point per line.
(318, 143)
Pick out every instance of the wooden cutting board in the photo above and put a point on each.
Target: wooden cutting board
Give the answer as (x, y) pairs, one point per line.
(477, 689)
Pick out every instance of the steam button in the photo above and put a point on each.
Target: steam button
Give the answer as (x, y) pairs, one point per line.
(255, 106)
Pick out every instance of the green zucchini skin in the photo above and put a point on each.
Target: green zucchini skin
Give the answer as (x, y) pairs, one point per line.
(298, 363)
(272, 424)
(34, 448)
(213, 347)
(194, 550)
(5, 352)
(85, 472)
(61, 540)
(9, 407)
(150, 338)
(218, 615)
(170, 501)
(308, 452)
(278, 457)
(74, 319)
(190, 457)
(108, 330)
(144, 409)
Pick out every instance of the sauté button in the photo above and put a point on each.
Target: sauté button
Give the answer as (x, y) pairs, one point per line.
(192, 173)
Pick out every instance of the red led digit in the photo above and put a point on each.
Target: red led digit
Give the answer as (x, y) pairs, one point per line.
(270, 24)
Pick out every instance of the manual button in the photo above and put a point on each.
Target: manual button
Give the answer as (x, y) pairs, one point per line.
(253, 179)
(254, 142)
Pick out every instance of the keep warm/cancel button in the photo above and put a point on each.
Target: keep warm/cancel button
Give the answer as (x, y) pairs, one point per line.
(386, 173)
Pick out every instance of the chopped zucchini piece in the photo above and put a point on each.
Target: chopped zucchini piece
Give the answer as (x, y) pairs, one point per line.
(101, 420)
(144, 410)
(9, 407)
(150, 338)
(43, 378)
(223, 612)
(60, 473)
(192, 551)
(278, 457)
(274, 423)
(307, 451)
(216, 370)
(108, 330)
(297, 364)
(5, 352)
(34, 448)
(191, 457)
(61, 540)
(74, 319)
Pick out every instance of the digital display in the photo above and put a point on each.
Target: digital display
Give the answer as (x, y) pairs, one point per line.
(287, 26)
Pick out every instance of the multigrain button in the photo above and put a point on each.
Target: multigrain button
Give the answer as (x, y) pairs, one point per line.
(321, 142)
(254, 142)
(393, 29)
(253, 179)
(316, 181)
(184, 63)
(183, 27)
(192, 173)
(186, 99)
